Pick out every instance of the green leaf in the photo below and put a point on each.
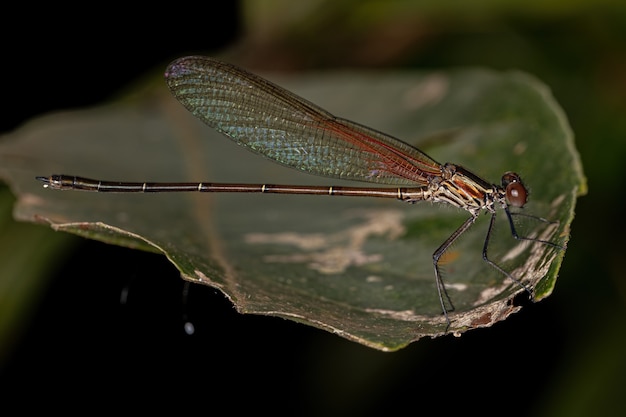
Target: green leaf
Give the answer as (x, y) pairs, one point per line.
(358, 267)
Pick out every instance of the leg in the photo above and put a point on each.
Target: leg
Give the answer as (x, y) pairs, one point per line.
(441, 288)
(510, 215)
(496, 266)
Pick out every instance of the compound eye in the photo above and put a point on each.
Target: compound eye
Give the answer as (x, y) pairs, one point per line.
(516, 194)
(510, 177)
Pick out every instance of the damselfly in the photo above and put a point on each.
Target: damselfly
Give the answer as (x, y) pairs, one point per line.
(290, 130)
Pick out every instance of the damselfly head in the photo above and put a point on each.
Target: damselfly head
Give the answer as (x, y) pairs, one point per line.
(516, 192)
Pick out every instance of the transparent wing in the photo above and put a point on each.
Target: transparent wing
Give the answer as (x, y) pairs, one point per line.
(290, 130)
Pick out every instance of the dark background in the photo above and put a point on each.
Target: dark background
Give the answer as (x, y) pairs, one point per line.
(562, 356)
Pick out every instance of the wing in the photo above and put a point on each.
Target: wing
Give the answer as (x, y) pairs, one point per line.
(290, 130)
